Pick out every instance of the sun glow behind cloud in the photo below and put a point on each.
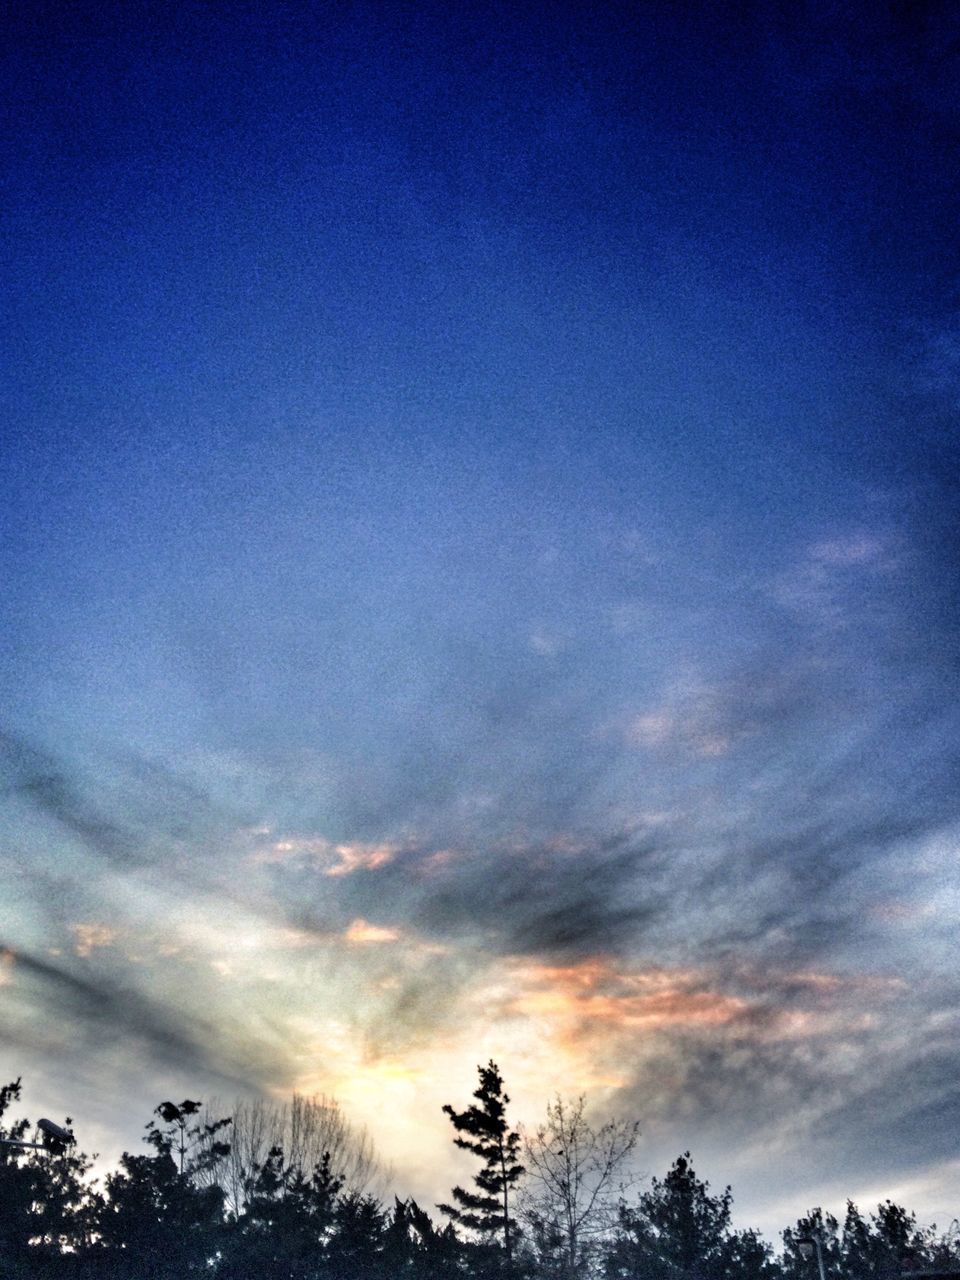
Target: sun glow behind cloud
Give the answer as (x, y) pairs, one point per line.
(597, 1024)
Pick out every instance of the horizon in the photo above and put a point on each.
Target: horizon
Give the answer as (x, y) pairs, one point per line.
(781, 1214)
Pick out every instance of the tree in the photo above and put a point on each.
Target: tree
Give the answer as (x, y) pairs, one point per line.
(438, 1252)
(161, 1216)
(747, 1256)
(677, 1230)
(287, 1224)
(195, 1147)
(884, 1245)
(305, 1128)
(826, 1228)
(46, 1202)
(576, 1177)
(489, 1137)
(359, 1238)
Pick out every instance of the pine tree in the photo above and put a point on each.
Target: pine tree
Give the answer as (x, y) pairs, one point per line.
(678, 1229)
(488, 1136)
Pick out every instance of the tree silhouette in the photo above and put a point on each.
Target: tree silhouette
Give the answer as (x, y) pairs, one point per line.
(437, 1254)
(306, 1128)
(488, 1136)
(46, 1203)
(288, 1223)
(163, 1216)
(676, 1230)
(826, 1228)
(576, 1176)
(156, 1221)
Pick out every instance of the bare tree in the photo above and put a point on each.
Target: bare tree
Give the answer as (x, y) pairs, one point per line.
(576, 1176)
(305, 1129)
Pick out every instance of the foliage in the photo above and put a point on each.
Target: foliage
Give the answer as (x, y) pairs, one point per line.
(306, 1128)
(163, 1214)
(156, 1219)
(195, 1146)
(677, 1229)
(819, 1225)
(488, 1136)
(47, 1205)
(288, 1223)
(884, 1245)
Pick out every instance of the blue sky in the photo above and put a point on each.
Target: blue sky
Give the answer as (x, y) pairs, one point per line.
(479, 508)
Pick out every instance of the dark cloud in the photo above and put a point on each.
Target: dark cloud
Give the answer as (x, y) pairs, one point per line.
(40, 781)
(532, 902)
(125, 814)
(904, 1115)
(845, 1083)
(75, 1010)
(520, 900)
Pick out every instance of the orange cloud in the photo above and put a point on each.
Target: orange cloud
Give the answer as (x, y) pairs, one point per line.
(335, 859)
(356, 857)
(360, 931)
(592, 991)
(834, 983)
(92, 935)
(594, 999)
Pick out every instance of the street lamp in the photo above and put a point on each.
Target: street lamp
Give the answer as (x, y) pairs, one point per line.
(807, 1245)
(55, 1139)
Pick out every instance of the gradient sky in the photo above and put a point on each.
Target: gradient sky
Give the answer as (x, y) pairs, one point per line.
(480, 579)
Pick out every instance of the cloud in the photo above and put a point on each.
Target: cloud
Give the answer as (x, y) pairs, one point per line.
(522, 898)
(832, 582)
(711, 971)
(545, 642)
(775, 1068)
(593, 995)
(362, 932)
(39, 781)
(334, 859)
(91, 935)
(121, 814)
(86, 1012)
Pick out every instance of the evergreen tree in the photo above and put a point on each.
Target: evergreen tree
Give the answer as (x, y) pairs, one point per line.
(359, 1240)
(438, 1253)
(483, 1130)
(288, 1223)
(883, 1246)
(676, 1230)
(747, 1256)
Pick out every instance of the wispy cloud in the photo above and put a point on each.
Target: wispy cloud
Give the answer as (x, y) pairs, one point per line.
(101, 1011)
(830, 582)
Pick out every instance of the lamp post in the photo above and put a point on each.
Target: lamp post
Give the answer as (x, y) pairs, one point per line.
(55, 1139)
(807, 1245)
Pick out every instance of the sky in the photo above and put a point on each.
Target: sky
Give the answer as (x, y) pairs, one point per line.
(479, 504)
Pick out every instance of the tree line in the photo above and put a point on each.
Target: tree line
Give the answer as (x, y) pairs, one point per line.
(293, 1191)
